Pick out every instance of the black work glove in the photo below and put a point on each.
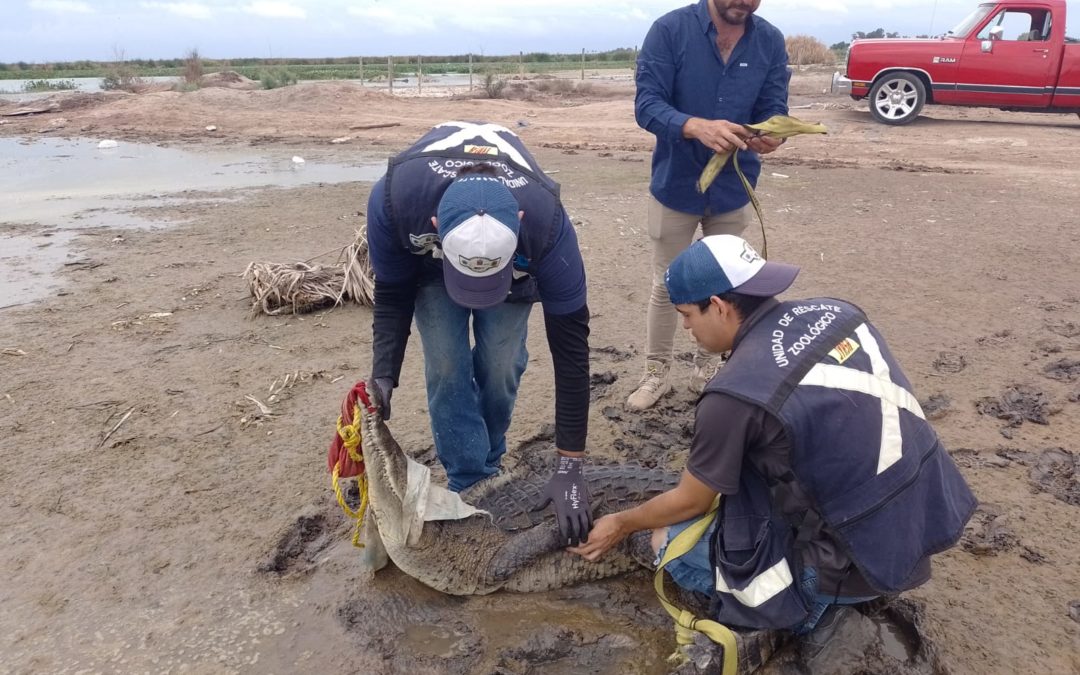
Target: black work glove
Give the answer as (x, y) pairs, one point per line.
(386, 390)
(567, 489)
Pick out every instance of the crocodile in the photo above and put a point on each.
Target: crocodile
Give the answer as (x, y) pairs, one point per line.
(509, 547)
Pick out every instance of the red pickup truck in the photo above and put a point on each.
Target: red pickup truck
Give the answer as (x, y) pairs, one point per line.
(1011, 55)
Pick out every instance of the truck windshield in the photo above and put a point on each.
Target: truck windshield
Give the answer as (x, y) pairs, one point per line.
(973, 19)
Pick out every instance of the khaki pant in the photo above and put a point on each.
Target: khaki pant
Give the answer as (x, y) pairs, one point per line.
(672, 232)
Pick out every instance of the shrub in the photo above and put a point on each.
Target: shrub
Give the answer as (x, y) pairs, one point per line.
(804, 50)
(193, 67)
(493, 85)
(121, 75)
(278, 77)
(47, 85)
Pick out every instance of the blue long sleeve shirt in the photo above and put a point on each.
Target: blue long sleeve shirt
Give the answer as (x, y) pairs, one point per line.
(559, 285)
(681, 74)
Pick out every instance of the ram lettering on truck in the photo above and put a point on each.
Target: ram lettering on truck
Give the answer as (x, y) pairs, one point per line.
(1010, 55)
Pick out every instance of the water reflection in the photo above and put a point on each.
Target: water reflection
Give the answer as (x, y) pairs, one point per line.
(60, 185)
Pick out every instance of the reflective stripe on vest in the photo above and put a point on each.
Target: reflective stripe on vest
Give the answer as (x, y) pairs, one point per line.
(862, 450)
(762, 588)
(468, 131)
(878, 384)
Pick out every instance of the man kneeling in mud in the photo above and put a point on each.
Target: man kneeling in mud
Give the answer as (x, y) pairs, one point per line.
(835, 488)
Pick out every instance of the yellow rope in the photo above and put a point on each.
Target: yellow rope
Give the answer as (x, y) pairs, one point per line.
(351, 438)
(685, 622)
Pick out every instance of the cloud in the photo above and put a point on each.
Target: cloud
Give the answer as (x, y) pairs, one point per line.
(189, 10)
(62, 6)
(395, 21)
(275, 9)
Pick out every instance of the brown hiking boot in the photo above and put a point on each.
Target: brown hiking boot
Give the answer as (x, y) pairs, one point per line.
(705, 366)
(652, 388)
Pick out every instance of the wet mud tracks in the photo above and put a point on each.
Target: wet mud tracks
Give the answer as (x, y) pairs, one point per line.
(299, 544)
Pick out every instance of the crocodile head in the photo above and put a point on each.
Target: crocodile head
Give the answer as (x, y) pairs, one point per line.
(384, 460)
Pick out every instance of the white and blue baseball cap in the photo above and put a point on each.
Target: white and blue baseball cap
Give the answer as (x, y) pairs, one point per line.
(723, 263)
(478, 227)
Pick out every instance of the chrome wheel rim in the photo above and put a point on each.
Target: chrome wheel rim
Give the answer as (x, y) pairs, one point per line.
(896, 99)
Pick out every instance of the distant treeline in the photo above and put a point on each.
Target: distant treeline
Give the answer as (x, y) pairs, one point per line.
(329, 68)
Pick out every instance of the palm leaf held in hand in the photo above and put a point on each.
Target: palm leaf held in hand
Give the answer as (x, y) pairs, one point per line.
(777, 126)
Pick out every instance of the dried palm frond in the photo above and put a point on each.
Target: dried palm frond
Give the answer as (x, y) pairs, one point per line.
(359, 276)
(278, 288)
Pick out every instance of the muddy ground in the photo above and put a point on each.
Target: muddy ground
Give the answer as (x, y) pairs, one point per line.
(142, 551)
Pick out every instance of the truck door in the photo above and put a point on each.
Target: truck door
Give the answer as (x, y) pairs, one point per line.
(1007, 62)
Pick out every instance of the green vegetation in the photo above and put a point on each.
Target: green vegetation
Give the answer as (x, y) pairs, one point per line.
(344, 68)
(277, 77)
(121, 74)
(876, 34)
(45, 85)
(493, 85)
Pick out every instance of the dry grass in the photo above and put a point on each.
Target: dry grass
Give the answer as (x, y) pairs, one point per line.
(804, 50)
(359, 282)
(193, 67)
(281, 288)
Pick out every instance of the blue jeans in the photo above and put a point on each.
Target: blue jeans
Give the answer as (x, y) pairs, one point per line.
(694, 572)
(471, 390)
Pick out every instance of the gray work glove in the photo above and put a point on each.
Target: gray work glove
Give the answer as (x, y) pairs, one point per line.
(570, 494)
(386, 390)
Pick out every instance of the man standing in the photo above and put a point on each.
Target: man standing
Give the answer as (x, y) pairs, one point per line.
(835, 487)
(704, 71)
(466, 227)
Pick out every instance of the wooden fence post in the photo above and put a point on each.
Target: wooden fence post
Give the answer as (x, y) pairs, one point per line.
(419, 76)
(361, 71)
(390, 73)
(470, 72)
(582, 64)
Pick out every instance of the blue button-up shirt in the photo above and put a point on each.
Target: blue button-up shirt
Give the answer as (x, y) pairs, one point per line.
(680, 74)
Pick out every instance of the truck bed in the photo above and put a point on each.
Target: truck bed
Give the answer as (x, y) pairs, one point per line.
(1067, 93)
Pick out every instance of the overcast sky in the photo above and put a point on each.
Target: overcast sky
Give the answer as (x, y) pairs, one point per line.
(64, 30)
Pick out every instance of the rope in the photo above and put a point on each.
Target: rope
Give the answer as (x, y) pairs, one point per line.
(351, 438)
(686, 624)
(358, 514)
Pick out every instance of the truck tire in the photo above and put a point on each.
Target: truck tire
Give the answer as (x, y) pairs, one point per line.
(897, 98)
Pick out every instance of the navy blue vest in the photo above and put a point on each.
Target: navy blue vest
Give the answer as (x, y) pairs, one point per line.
(417, 178)
(861, 447)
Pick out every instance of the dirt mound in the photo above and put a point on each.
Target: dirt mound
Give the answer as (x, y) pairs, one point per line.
(1066, 370)
(1016, 405)
(1052, 470)
(325, 96)
(229, 79)
(1055, 472)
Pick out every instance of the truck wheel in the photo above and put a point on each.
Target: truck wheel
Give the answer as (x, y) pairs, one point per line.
(897, 98)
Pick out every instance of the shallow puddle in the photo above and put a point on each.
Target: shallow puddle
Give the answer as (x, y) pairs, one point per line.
(895, 640)
(74, 184)
(50, 180)
(28, 264)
